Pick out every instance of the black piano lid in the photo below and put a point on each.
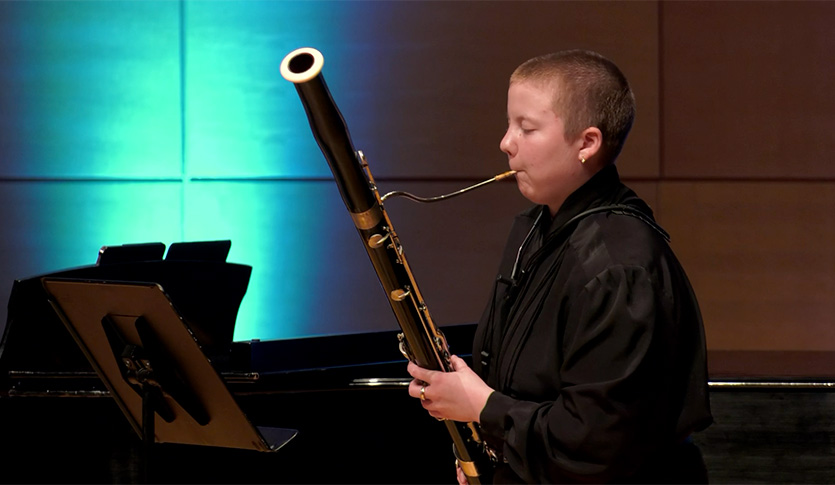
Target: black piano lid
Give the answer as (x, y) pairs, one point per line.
(208, 293)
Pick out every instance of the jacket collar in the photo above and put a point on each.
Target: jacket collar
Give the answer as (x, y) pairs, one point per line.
(603, 188)
(592, 193)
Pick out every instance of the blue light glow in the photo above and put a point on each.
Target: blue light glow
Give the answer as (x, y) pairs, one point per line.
(126, 122)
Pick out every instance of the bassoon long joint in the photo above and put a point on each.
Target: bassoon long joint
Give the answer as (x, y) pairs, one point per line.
(420, 340)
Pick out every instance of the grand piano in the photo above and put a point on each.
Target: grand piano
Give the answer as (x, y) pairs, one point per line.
(344, 395)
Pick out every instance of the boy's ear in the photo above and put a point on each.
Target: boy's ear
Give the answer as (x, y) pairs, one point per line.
(591, 142)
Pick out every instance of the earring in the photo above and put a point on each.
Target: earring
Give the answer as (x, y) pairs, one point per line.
(582, 159)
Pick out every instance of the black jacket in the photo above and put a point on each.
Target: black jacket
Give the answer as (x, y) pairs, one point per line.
(595, 346)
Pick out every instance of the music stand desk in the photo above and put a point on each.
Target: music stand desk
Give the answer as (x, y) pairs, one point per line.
(199, 409)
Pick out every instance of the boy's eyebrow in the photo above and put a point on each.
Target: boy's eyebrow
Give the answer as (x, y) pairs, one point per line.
(520, 118)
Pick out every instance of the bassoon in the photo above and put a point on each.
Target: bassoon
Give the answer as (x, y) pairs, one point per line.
(419, 340)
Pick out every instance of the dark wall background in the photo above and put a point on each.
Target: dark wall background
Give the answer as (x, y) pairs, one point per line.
(125, 122)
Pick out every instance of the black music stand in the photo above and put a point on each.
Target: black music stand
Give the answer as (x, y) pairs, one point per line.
(154, 368)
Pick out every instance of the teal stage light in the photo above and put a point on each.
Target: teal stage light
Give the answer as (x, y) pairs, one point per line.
(138, 121)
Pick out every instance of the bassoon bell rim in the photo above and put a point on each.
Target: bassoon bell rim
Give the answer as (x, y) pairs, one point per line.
(302, 76)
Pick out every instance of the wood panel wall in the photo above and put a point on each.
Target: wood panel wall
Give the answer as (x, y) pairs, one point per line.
(747, 180)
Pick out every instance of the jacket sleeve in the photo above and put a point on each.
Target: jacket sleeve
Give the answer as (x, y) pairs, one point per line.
(614, 404)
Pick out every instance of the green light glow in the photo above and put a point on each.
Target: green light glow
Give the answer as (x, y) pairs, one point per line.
(116, 116)
(91, 89)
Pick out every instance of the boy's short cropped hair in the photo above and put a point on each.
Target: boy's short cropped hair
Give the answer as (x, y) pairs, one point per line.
(589, 90)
